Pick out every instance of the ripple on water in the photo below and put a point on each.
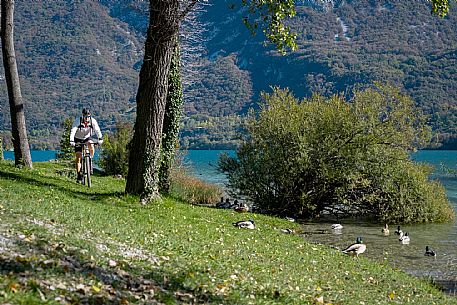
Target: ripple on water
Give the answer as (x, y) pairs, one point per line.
(440, 237)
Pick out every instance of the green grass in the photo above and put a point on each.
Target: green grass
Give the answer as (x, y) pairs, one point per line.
(57, 239)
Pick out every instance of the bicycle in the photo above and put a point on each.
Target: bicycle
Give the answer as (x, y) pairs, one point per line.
(86, 159)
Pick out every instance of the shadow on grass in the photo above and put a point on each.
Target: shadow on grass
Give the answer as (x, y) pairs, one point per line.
(448, 286)
(77, 274)
(57, 184)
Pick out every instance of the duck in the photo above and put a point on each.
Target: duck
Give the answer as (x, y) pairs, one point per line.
(290, 219)
(224, 204)
(398, 231)
(385, 230)
(429, 252)
(404, 238)
(288, 231)
(357, 248)
(247, 224)
(241, 207)
(337, 226)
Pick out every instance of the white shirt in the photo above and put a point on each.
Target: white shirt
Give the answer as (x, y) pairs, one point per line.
(83, 131)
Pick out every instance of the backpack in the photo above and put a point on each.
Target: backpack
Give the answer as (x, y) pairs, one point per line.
(81, 125)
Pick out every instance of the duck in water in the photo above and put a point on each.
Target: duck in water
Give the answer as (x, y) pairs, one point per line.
(385, 230)
(404, 238)
(429, 252)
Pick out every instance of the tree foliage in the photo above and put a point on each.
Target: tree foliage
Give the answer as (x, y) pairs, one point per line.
(440, 7)
(66, 150)
(326, 155)
(272, 14)
(115, 150)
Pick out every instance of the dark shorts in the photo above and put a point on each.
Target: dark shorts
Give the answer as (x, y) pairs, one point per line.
(79, 148)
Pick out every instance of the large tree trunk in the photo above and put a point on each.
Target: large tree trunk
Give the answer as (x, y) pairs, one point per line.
(144, 161)
(19, 131)
(173, 111)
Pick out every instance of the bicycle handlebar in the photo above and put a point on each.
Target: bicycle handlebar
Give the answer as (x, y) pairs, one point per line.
(95, 142)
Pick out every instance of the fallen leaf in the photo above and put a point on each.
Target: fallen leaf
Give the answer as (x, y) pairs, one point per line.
(95, 289)
(14, 287)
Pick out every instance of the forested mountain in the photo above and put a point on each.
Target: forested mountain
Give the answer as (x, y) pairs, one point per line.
(76, 53)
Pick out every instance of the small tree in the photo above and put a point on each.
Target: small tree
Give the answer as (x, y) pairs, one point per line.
(66, 150)
(114, 156)
(325, 155)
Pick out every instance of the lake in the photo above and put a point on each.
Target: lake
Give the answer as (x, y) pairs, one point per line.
(410, 258)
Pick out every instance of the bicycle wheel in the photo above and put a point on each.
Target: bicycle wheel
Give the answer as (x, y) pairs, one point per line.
(88, 170)
(83, 170)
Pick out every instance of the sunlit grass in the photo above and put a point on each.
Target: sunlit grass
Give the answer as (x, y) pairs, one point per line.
(190, 254)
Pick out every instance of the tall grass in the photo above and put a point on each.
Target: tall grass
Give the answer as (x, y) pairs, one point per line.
(190, 189)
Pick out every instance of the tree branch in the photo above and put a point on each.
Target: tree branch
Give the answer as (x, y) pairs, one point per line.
(187, 10)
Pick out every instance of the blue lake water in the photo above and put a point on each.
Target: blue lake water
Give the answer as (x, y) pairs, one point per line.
(203, 163)
(441, 237)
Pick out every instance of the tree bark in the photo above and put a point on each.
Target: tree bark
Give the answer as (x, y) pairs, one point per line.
(18, 127)
(173, 111)
(144, 160)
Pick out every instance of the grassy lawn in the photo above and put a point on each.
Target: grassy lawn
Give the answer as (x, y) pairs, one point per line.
(61, 242)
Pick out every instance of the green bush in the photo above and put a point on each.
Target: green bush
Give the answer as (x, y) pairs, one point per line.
(114, 156)
(326, 155)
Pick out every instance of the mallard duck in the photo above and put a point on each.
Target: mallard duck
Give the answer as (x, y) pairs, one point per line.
(398, 231)
(247, 224)
(355, 249)
(404, 238)
(429, 252)
(224, 204)
(385, 230)
(337, 226)
(288, 231)
(241, 207)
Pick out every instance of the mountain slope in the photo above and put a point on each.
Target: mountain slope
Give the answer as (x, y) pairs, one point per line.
(71, 54)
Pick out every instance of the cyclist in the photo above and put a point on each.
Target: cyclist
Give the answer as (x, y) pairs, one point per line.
(82, 131)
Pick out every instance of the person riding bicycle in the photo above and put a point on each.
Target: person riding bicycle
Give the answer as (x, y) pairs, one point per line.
(82, 131)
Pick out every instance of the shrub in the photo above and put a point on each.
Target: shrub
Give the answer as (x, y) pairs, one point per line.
(325, 155)
(114, 156)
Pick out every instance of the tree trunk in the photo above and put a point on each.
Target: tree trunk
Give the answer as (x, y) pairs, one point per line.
(173, 111)
(18, 128)
(144, 160)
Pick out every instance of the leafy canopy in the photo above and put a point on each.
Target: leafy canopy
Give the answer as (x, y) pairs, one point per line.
(325, 155)
(271, 14)
(440, 7)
